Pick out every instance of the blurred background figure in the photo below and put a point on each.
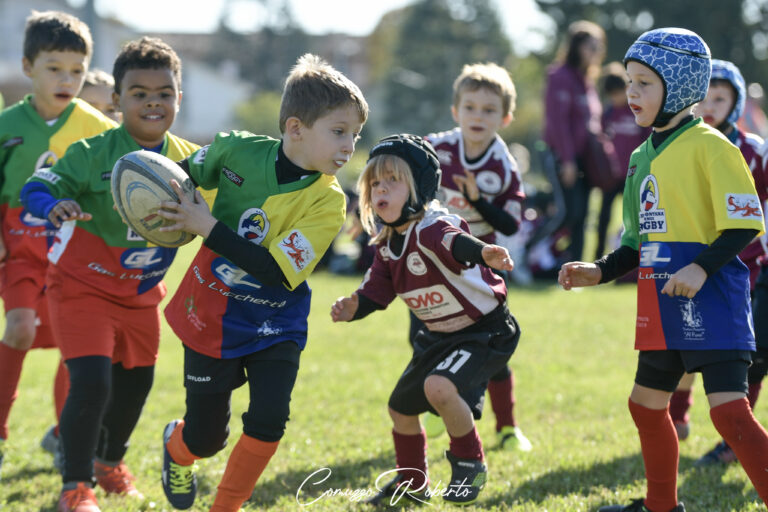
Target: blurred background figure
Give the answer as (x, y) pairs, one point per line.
(97, 90)
(753, 120)
(572, 113)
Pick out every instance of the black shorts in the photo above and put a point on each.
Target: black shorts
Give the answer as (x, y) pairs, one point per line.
(204, 374)
(468, 358)
(721, 370)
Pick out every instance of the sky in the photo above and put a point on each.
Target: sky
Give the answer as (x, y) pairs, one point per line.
(356, 17)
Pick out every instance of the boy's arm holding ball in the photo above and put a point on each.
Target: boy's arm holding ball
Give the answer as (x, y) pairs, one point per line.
(193, 217)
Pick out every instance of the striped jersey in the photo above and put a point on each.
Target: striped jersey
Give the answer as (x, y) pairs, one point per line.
(220, 310)
(496, 173)
(445, 294)
(678, 198)
(28, 143)
(104, 253)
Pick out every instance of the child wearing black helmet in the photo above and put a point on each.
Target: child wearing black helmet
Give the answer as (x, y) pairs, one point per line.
(690, 206)
(428, 258)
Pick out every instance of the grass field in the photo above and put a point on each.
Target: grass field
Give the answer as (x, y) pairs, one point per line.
(574, 369)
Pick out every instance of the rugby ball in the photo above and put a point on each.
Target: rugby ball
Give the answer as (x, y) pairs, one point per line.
(140, 182)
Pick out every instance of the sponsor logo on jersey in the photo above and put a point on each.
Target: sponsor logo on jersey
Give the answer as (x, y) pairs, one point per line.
(106, 176)
(654, 254)
(645, 273)
(46, 160)
(253, 225)
(693, 324)
(447, 240)
(631, 171)
(432, 302)
(141, 258)
(233, 176)
(47, 176)
(652, 218)
(232, 275)
(199, 157)
(445, 157)
(453, 200)
(743, 206)
(199, 378)
(384, 252)
(132, 236)
(415, 264)
(298, 249)
(489, 182)
(13, 142)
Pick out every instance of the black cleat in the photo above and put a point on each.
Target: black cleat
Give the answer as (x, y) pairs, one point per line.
(179, 482)
(468, 477)
(636, 506)
(395, 490)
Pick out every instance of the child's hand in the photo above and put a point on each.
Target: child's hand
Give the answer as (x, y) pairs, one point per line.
(575, 274)
(686, 282)
(496, 256)
(344, 308)
(193, 217)
(67, 209)
(467, 185)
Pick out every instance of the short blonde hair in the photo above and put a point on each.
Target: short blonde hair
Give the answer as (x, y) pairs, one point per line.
(96, 77)
(486, 76)
(377, 168)
(314, 88)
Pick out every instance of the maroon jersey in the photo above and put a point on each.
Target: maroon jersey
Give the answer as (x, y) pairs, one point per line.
(753, 150)
(443, 293)
(496, 173)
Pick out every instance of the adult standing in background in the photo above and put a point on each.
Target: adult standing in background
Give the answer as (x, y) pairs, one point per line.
(572, 113)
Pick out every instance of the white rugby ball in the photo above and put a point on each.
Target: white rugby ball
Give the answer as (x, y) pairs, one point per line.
(140, 182)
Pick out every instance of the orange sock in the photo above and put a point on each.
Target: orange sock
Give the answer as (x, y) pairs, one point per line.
(244, 467)
(747, 438)
(178, 448)
(60, 390)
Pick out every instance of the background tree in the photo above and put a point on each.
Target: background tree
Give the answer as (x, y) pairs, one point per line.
(436, 38)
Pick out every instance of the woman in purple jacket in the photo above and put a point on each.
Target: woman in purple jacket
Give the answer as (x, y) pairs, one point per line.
(572, 110)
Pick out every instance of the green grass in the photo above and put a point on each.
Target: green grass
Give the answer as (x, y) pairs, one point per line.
(574, 369)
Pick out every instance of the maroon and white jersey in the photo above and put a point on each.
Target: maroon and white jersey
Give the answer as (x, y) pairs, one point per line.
(497, 175)
(753, 149)
(443, 293)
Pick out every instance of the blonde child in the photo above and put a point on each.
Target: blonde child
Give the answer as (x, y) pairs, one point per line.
(97, 90)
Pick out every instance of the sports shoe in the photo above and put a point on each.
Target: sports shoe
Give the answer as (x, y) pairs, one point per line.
(50, 443)
(116, 479)
(179, 482)
(637, 506)
(683, 429)
(468, 477)
(512, 438)
(433, 424)
(720, 454)
(79, 499)
(391, 494)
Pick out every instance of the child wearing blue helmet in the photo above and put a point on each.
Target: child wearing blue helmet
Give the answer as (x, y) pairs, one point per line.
(690, 206)
(722, 108)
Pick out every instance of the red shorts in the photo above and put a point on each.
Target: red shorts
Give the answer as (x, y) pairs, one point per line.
(89, 325)
(23, 286)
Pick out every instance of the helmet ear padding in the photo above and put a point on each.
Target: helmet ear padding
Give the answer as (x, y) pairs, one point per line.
(724, 70)
(421, 157)
(682, 60)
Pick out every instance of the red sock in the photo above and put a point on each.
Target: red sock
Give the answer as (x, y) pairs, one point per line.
(178, 448)
(679, 404)
(754, 392)
(60, 391)
(658, 442)
(11, 361)
(247, 461)
(411, 452)
(748, 440)
(502, 394)
(468, 446)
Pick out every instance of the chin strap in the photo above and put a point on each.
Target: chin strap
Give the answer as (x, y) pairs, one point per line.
(405, 216)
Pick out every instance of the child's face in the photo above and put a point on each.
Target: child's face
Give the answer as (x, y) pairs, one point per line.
(57, 77)
(644, 93)
(480, 115)
(388, 196)
(149, 100)
(100, 97)
(329, 143)
(717, 105)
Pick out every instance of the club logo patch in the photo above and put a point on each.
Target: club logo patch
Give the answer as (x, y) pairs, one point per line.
(652, 218)
(46, 160)
(298, 249)
(415, 264)
(692, 321)
(200, 155)
(489, 182)
(233, 176)
(743, 206)
(253, 225)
